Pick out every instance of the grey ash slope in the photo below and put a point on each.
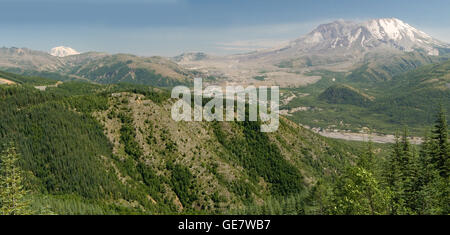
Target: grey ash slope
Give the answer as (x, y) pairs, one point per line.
(354, 39)
(372, 51)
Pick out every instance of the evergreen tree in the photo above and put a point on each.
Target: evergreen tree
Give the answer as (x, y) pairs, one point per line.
(427, 174)
(367, 159)
(410, 179)
(437, 191)
(393, 177)
(425, 159)
(318, 197)
(433, 178)
(358, 192)
(441, 154)
(12, 193)
(406, 156)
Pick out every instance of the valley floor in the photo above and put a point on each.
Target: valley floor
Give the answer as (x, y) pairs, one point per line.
(364, 137)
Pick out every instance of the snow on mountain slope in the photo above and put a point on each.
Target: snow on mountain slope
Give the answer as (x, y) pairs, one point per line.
(385, 32)
(377, 49)
(403, 35)
(345, 43)
(62, 51)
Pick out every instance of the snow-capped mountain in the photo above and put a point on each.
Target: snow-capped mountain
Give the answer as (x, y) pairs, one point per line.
(390, 32)
(342, 41)
(62, 51)
(373, 50)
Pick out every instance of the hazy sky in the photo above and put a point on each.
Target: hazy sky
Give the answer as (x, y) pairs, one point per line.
(170, 27)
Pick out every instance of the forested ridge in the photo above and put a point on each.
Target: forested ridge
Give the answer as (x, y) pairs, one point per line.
(338, 102)
(82, 148)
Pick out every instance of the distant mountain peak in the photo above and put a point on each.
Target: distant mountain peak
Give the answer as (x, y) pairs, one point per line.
(63, 51)
(390, 32)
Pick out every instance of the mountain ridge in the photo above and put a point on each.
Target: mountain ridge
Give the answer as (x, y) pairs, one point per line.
(352, 39)
(146, 162)
(96, 66)
(373, 50)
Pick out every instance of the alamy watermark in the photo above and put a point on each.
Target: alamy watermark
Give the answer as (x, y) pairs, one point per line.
(256, 99)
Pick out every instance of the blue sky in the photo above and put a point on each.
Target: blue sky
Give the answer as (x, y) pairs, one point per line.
(170, 27)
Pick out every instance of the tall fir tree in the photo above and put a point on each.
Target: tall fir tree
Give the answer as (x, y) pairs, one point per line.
(434, 177)
(441, 160)
(427, 174)
(441, 154)
(410, 178)
(12, 192)
(393, 178)
(425, 161)
(367, 159)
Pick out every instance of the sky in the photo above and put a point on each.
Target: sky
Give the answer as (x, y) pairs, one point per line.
(171, 27)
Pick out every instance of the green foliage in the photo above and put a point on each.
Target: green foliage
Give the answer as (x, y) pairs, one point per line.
(183, 184)
(75, 141)
(75, 88)
(418, 182)
(261, 158)
(39, 77)
(153, 94)
(441, 155)
(127, 136)
(27, 80)
(61, 147)
(153, 181)
(291, 205)
(72, 204)
(12, 191)
(407, 99)
(70, 168)
(367, 159)
(411, 181)
(357, 191)
(120, 71)
(379, 68)
(88, 103)
(344, 94)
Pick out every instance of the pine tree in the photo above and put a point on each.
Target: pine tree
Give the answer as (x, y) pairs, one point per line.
(410, 179)
(434, 178)
(12, 192)
(393, 178)
(318, 197)
(427, 173)
(425, 160)
(442, 152)
(367, 159)
(406, 155)
(440, 159)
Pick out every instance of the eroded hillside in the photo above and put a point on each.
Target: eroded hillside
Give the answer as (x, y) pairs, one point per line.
(226, 165)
